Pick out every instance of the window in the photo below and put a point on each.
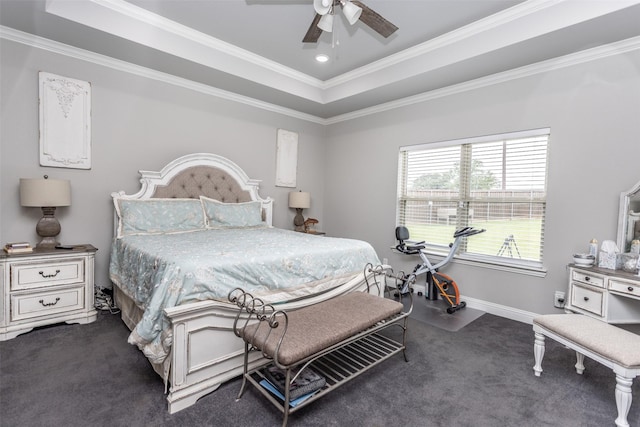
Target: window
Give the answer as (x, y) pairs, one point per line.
(494, 182)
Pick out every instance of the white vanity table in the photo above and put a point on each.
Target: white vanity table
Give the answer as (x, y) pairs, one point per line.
(609, 295)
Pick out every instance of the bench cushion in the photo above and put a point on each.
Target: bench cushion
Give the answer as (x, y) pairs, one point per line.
(615, 344)
(316, 327)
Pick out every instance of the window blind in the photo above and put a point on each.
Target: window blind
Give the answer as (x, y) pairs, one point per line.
(497, 182)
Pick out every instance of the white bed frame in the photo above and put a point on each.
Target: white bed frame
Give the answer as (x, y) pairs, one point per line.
(205, 351)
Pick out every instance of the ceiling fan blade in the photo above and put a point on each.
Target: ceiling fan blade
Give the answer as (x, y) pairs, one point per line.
(375, 20)
(313, 33)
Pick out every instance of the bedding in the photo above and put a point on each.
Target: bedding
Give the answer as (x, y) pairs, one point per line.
(164, 270)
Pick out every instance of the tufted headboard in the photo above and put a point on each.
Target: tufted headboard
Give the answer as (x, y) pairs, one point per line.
(206, 181)
(201, 174)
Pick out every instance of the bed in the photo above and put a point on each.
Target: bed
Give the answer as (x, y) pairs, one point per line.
(194, 231)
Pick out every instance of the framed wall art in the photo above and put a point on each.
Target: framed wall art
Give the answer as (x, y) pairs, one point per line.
(65, 122)
(286, 158)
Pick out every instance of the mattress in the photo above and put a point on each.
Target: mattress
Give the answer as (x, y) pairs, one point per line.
(159, 271)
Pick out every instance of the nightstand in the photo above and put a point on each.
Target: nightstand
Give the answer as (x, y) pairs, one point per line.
(46, 287)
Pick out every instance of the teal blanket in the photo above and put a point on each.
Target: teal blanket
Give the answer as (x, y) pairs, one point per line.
(165, 270)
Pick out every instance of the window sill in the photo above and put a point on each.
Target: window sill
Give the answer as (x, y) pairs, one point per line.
(528, 268)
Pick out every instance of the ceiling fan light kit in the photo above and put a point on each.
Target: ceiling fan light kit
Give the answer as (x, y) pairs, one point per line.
(322, 6)
(353, 11)
(326, 23)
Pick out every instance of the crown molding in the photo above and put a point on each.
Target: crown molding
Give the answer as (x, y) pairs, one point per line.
(524, 21)
(588, 55)
(127, 67)
(581, 57)
(490, 22)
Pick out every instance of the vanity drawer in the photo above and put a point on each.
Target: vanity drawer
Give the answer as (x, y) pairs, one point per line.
(628, 288)
(587, 299)
(28, 306)
(586, 277)
(50, 273)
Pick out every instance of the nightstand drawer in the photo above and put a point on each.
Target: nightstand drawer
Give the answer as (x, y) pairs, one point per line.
(51, 273)
(587, 299)
(628, 288)
(46, 303)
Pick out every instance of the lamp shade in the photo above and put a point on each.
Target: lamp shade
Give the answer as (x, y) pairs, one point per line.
(351, 12)
(299, 200)
(326, 23)
(45, 192)
(322, 6)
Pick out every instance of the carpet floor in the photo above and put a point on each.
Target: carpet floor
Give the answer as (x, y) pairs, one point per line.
(481, 375)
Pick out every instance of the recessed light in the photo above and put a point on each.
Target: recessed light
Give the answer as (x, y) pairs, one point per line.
(321, 57)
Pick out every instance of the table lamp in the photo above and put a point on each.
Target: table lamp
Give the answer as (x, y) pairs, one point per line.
(299, 200)
(46, 194)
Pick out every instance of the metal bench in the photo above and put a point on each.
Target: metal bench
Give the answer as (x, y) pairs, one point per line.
(337, 338)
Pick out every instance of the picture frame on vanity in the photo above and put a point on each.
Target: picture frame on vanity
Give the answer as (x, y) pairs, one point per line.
(65, 121)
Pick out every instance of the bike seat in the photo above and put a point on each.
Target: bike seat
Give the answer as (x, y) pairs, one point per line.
(410, 249)
(402, 234)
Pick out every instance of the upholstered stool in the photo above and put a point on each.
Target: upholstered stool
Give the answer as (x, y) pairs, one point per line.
(609, 345)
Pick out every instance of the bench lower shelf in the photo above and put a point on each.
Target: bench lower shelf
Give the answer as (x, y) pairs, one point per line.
(339, 366)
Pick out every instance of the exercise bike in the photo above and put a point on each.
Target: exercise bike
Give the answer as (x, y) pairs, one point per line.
(446, 286)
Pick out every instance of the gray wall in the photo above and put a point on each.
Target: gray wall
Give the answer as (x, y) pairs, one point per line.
(137, 123)
(593, 111)
(349, 168)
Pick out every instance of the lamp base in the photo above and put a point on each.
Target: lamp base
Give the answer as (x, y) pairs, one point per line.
(48, 228)
(298, 220)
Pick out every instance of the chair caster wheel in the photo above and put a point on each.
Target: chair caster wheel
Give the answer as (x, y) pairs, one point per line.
(451, 310)
(419, 294)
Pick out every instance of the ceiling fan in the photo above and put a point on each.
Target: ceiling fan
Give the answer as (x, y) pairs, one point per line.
(353, 10)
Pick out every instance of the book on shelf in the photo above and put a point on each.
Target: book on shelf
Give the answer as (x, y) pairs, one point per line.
(292, 402)
(18, 248)
(308, 381)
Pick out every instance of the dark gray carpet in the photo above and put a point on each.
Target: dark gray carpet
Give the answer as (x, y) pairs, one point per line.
(81, 375)
(434, 313)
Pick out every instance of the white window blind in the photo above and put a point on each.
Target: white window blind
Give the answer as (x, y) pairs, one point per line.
(497, 182)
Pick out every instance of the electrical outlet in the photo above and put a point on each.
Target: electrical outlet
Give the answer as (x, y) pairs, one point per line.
(385, 261)
(559, 300)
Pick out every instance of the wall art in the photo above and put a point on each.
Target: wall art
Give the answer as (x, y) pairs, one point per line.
(65, 122)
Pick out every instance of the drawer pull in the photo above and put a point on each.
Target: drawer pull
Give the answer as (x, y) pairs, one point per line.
(49, 276)
(630, 288)
(586, 298)
(49, 303)
(587, 278)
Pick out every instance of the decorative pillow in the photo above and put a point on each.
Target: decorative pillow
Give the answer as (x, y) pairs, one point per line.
(157, 216)
(221, 215)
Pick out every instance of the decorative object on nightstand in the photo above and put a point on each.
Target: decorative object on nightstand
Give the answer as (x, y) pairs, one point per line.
(45, 287)
(310, 225)
(46, 194)
(18, 248)
(299, 200)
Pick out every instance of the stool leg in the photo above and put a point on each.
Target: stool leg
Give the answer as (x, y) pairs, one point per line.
(623, 399)
(579, 363)
(538, 353)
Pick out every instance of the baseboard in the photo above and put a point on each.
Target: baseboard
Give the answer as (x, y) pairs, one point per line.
(492, 308)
